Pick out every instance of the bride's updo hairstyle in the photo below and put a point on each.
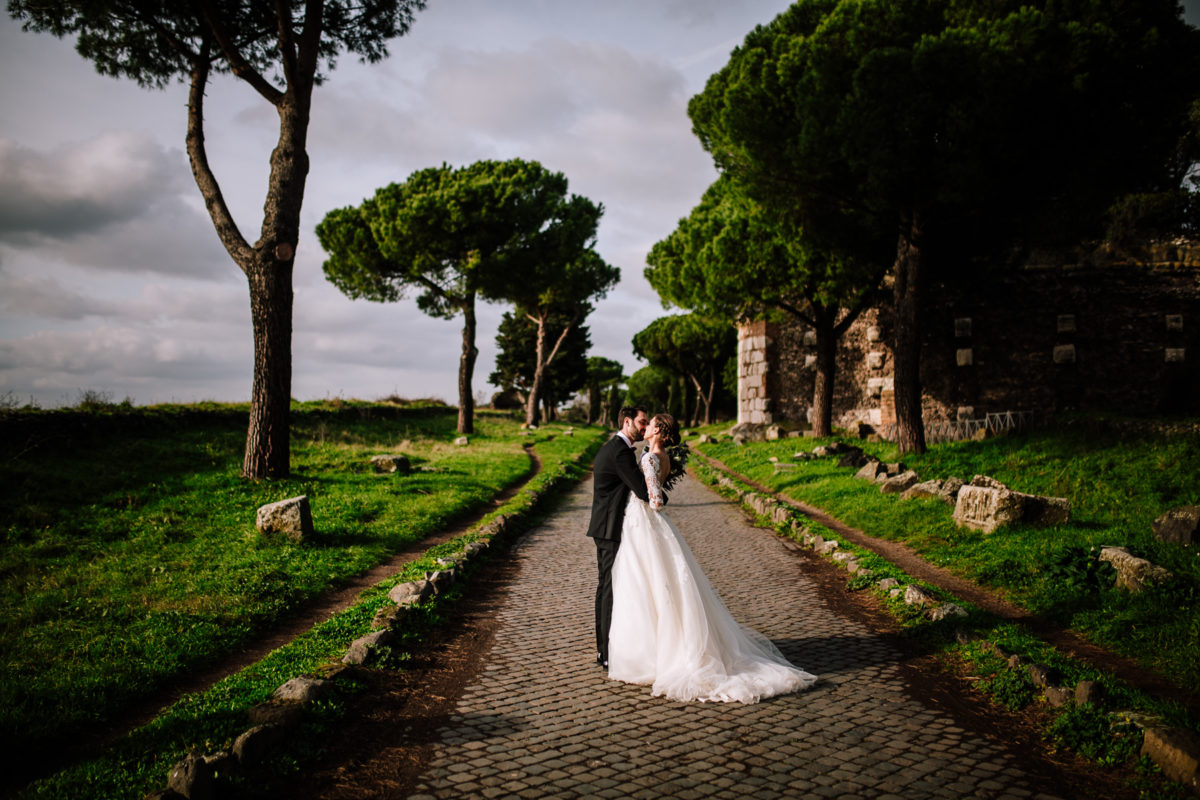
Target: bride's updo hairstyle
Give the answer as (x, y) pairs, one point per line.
(669, 429)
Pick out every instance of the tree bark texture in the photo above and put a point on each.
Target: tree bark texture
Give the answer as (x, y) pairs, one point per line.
(268, 442)
(466, 368)
(267, 263)
(823, 381)
(906, 347)
(705, 397)
(593, 413)
(268, 452)
(539, 370)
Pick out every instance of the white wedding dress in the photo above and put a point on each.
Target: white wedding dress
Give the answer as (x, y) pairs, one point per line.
(670, 628)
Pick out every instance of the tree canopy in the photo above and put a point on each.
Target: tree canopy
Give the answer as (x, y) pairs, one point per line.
(651, 387)
(955, 127)
(278, 49)
(516, 361)
(693, 346)
(603, 376)
(733, 258)
(562, 275)
(450, 235)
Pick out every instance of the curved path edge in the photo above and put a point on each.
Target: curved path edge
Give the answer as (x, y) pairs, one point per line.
(911, 562)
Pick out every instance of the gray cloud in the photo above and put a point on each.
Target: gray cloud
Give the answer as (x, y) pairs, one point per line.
(115, 202)
(49, 299)
(113, 278)
(82, 188)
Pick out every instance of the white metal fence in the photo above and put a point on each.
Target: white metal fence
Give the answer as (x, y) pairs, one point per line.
(951, 430)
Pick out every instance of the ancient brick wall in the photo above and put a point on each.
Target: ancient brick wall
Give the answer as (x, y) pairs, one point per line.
(1112, 336)
(758, 365)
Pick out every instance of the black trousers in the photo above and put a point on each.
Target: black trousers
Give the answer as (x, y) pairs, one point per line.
(606, 554)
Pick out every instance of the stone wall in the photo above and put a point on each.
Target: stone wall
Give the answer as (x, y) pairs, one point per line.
(758, 359)
(1046, 337)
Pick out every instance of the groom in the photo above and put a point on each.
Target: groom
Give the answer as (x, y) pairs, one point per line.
(614, 475)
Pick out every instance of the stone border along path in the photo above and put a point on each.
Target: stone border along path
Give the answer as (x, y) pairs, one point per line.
(542, 720)
(911, 562)
(317, 610)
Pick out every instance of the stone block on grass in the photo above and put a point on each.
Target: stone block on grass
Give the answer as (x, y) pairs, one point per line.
(949, 491)
(390, 617)
(1089, 693)
(916, 596)
(291, 517)
(1040, 674)
(854, 458)
(411, 592)
(947, 611)
(192, 777)
(391, 463)
(924, 490)
(1057, 696)
(302, 689)
(1133, 573)
(986, 509)
(1177, 753)
(898, 484)
(1178, 526)
(1041, 510)
(283, 713)
(362, 648)
(870, 471)
(255, 744)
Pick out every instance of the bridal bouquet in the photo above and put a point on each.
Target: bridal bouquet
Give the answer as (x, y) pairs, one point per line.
(678, 454)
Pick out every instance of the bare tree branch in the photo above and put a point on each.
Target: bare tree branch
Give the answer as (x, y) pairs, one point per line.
(237, 62)
(214, 200)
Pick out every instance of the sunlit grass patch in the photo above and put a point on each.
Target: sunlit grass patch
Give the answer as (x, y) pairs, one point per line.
(131, 556)
(1116, 485)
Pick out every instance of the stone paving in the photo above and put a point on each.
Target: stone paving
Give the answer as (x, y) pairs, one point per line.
(542, 720)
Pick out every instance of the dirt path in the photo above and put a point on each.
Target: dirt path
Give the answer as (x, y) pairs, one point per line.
(1065, 640)
(284, 630)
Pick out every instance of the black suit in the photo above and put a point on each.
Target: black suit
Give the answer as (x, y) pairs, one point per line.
(614, 475)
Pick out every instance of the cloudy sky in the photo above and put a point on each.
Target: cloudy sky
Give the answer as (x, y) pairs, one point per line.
(113, 280)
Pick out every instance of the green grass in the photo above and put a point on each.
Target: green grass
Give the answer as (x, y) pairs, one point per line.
(130, 555)
(1102, 733)
(1117, 486)
(209, 721)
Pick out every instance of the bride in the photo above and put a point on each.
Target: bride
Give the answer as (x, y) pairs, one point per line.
(670, 629)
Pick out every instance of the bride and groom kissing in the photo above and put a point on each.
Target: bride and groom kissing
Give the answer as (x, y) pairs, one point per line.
(659, 622)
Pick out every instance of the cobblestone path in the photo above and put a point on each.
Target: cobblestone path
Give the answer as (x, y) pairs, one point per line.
(542, 720)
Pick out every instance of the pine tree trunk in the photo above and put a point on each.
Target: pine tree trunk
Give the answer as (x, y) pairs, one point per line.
(268, 449)
(466, 368)
(708, 398)
(593, 412)
(539, 371)
(822, 420)
(268, 445)
(906, 347)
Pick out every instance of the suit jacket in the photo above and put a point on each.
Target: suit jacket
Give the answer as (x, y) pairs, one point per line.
(614, 475)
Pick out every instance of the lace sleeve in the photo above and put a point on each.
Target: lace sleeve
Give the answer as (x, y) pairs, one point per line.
(653, 487)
